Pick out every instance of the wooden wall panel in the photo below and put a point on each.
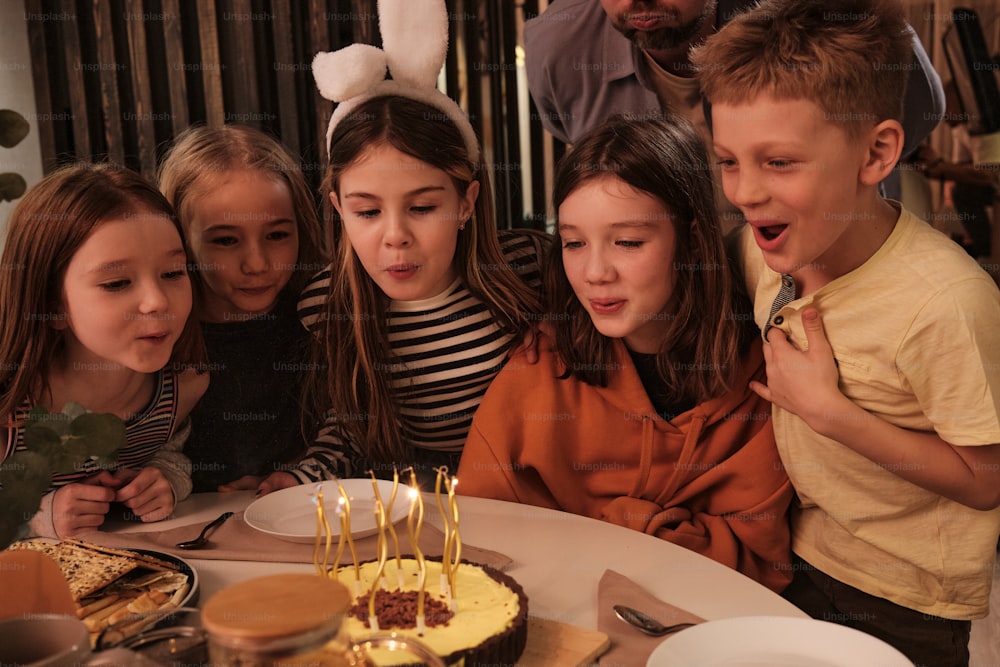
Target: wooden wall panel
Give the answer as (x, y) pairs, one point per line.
(173, 54)
(44, 122)
(142, 115)
(211, 64)
(75, 85)
(107, 66)
(285, 67)
(132, 74)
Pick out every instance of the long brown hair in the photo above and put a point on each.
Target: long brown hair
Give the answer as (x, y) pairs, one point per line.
(45, 230)
(352, 334)
(699, 355)
(201, 154)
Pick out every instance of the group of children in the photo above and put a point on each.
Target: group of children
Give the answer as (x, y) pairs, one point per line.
(845, 454)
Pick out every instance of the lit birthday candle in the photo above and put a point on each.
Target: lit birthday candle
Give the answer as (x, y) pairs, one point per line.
(345, 532)
(380, 544)
(392, 529)
(414, 522)
(340, 540)
(456, 543)
(383, 553)
(442, 472)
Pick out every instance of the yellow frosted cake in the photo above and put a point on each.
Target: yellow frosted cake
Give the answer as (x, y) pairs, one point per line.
(487, 627)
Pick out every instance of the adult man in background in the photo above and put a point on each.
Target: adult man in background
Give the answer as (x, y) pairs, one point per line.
(589, 59)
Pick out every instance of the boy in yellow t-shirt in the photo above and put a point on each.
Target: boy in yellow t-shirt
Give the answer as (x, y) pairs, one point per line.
(883, 336)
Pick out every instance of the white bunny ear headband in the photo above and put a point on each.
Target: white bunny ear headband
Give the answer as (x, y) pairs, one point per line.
(414, 46)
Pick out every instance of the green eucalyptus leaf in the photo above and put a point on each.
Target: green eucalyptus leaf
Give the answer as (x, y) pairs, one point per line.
(74, 410)
(10, 529)
(39, 417)
(55, 443)
(41, 439)
(103, 434)
(24, 479)
(25, 470)
(72, 456)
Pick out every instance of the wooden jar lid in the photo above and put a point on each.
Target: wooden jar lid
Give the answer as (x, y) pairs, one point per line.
(276, 607)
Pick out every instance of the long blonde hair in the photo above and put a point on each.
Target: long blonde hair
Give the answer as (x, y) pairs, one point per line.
(201, 153)
(352, 335)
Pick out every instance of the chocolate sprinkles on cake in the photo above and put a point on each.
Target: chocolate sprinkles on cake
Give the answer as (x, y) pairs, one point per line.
(398, 609)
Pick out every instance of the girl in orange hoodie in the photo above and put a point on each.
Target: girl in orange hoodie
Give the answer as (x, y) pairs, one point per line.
(638, 411)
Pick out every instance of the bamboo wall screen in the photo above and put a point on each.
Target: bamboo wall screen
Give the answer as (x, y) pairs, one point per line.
(117, 79)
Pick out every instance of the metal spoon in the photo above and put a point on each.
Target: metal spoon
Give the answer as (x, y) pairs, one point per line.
(646, 623)
(202, 539)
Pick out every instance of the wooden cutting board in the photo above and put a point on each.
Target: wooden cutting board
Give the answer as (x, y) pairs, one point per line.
(555, 644)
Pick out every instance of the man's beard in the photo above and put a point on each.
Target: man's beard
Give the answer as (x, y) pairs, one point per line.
(670, 37)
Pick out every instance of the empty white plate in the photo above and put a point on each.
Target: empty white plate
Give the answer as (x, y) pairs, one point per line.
(290, 514)
(774, 641)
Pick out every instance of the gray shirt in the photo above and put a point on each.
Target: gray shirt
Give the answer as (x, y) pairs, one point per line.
(581, 71)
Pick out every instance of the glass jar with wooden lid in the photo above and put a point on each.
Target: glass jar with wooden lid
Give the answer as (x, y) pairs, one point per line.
(291, 619)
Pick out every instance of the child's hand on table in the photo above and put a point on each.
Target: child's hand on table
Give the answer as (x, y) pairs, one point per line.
(244, 483)
(82, 506)
(275, 482)
(146, 492)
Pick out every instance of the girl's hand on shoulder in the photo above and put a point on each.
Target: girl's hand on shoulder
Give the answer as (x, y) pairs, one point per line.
(244, 483)
(275, 482)
(79, 507)
(147, 493)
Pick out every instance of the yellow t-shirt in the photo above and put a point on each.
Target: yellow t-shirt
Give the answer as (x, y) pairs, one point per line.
(916, 334)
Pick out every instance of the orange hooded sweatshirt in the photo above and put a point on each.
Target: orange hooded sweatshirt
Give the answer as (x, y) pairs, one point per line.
(709, 480)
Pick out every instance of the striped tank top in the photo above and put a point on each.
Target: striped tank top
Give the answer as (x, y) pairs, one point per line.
(145, 431)
(447, 349)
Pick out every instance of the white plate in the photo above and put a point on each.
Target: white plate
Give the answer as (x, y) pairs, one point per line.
(290, 515)
(774, 641)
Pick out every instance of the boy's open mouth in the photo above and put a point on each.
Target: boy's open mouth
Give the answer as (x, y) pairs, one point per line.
(772, 231)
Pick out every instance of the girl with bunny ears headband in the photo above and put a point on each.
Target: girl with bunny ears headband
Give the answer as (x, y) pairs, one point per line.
(425, 299)
(415, 44)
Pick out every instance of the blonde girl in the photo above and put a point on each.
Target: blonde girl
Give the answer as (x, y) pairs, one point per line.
(252, 224)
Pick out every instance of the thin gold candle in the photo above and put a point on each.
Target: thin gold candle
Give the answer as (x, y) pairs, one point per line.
(322, 531)
(392, 529)
(345, 531)
(414, 522)
(456, 543)
(442, 472)
(383, 553)
(340, 539)
(380, 543)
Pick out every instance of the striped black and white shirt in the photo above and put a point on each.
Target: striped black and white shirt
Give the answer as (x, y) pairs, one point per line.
(446, 351)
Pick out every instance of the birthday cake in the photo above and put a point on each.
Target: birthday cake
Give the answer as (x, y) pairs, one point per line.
(484, 624)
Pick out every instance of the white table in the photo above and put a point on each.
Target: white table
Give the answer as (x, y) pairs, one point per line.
(558, 559)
